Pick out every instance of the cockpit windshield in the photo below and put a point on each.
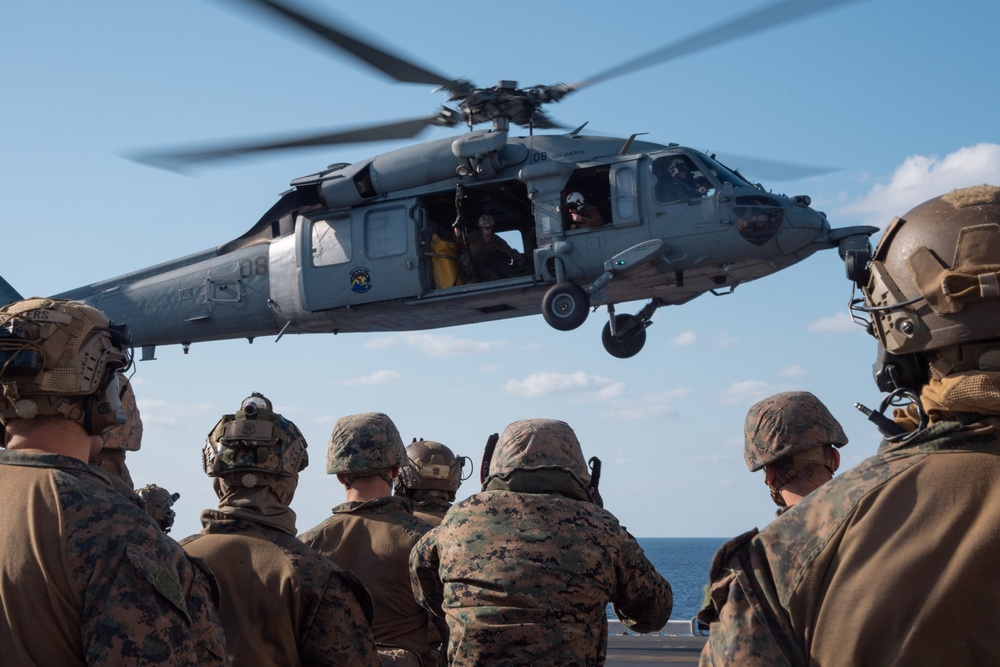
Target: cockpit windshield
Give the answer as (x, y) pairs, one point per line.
(724, 173)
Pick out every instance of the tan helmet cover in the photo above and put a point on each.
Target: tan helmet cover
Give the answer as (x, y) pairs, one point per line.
(538, 444)
(431, 465)
(364, 443)
(944, 256)
(786, 423)
(129, 435)
(75, 355)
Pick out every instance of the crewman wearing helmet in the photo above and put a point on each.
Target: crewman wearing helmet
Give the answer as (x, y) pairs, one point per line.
(893, 562)
(88, 577)
(794, 438)
(282, 602)
(523, 571)
(372, 534)
(488, 256)
(430, 477)
(581, 214)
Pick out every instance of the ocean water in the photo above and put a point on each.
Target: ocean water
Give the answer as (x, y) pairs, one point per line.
(684, 561)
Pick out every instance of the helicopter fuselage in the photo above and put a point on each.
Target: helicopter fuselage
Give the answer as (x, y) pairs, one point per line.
(349, 249)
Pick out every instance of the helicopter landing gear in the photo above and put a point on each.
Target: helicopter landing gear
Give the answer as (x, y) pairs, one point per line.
(565, 306)
(625, 337)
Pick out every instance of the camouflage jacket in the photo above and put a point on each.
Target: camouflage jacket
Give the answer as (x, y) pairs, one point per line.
(89, 579)
(891, 563)
(294, 608)
(525, 579)
(373, 540)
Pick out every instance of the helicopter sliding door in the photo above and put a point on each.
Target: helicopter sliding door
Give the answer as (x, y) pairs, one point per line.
(359, 256)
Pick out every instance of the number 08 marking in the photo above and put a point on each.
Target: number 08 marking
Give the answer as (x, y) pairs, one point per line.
(253, 267)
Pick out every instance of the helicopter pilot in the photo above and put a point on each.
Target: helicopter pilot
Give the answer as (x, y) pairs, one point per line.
(489, 257)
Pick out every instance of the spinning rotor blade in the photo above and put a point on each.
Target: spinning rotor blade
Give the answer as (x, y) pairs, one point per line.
(396, 67)
(177, 161)
(769, 17)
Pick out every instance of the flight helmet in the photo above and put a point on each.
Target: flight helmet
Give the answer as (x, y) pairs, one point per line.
(575, 201)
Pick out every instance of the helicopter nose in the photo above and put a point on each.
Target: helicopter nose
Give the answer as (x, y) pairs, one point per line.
(803, 225)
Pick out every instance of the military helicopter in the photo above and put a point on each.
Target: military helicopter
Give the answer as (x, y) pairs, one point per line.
(358, 247)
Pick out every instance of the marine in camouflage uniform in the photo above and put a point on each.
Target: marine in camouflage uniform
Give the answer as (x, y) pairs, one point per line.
(283, 603)
(524, 570)
(372, 534)
(86, 577)
(430, 477)
(793, 437)
(894, 562)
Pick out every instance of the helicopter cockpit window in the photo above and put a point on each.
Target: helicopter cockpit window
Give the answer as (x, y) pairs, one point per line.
(679, 179)
(331, 241)
(724, 173)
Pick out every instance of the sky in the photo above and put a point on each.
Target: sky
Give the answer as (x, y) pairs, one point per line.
(897, 96)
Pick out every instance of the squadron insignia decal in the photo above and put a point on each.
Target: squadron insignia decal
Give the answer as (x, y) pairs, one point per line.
(361, 280)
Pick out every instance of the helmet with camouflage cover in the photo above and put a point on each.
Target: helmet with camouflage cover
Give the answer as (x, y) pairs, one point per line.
(786, 423)
(363, 444)
(934, 280)
(256, 446)
(539, 444)
(128, 436)
(431, 466)
(62, 358)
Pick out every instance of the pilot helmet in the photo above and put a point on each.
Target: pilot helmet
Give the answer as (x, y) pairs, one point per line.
(575, 201)
(256, 447)
(364, 444)
(934, 280)
(539, 444)
(786, 423)
(486, 220)
(676, 165)
(62, 358)
(431, 466)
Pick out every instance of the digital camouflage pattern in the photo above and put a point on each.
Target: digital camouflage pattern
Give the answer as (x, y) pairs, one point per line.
(255, 440)
(159, 504)
(103, 585)
(539, 444)
(373, 539)
(524, 577)
(891, 563)
(297, 607)
(128, 436)
(364, 443)
(786, 423)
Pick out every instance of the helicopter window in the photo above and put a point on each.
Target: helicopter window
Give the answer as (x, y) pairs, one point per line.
(724, 173)
(385, 232)
(679, 179)
(331, 241)
(625, 187)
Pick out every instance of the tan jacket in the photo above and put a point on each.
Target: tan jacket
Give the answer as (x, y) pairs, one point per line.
(373, 540)
(86, 577)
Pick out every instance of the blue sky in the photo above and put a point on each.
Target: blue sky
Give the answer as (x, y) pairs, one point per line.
(900, 95)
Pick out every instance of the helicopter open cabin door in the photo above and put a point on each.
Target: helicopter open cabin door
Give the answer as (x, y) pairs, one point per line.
(357, 256)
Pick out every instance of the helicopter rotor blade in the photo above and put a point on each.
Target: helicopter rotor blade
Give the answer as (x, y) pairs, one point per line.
(179, 160)
(751, 23)
(396, 67)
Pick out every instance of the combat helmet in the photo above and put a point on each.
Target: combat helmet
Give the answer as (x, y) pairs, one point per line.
(256, 447)
(431, 466)
(933, 281)
(363, 444)
(62, 358)
(786, 423)
(538, 444)
(127, 437)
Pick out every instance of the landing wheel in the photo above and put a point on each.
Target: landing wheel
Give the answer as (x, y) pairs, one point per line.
(626, 346)
(565, 306)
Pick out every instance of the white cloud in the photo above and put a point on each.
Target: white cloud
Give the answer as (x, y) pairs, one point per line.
(747, 391)
(684, 338)
(543, 384)
(795, 371)
(165, 413)
(435, 345)
(837, 323)
(922, 177)
(376, 378)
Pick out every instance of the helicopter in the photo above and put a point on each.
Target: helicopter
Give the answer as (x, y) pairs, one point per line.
(386, 243)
